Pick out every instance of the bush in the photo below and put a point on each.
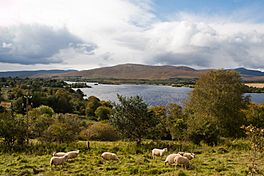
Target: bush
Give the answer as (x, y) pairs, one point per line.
(100, 131)
(207, 133)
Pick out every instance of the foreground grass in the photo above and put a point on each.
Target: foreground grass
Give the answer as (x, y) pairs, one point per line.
(230, 159)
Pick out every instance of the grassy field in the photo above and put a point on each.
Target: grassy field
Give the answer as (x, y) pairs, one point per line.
(257, 85)
(232, 159)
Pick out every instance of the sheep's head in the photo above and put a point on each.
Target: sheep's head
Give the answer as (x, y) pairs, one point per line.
(165, 149)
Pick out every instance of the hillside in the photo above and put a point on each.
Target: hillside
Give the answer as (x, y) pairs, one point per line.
(23, 74)
(148, 72)
(134, 71)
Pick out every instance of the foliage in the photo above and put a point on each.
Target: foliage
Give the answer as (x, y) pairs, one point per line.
(161, 131)
(12, 128)
(217, 99)
(100, 131)
(40, 120)
(254, 115)
(172, 122)
(132, 118)
(103, 113)
(64, 128)
(176, 121)
(92, 104)
(256, 137)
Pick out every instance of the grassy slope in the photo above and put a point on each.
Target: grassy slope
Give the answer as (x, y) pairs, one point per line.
(134, 161)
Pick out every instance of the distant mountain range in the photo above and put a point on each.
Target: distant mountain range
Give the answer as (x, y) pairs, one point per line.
(132, 72)
(24, 74)
(148, 72)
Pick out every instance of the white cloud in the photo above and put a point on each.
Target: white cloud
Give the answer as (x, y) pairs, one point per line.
(84, 34)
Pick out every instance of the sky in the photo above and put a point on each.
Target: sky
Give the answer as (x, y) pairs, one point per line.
(87, 34)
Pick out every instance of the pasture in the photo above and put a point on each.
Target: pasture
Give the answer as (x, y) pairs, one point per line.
(257, 85)
(230, 158)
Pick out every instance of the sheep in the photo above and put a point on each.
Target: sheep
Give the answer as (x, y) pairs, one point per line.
(182, 160)
(59, 154)
(170, 158)
(190, 156)
(158, 152)
(58, 160)
(73, 154)
(109, 156)
(181, 153)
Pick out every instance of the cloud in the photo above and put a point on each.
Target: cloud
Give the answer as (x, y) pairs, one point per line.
(209, 44)
(85, 34)
(38, 44)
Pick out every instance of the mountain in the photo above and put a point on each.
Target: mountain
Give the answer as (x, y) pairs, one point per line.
(24, 74)
(134, 71)
(247, 72)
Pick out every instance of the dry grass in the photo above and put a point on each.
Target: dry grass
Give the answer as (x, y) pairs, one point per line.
(257, 85)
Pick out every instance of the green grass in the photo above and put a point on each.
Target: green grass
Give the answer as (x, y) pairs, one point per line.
(220, 160)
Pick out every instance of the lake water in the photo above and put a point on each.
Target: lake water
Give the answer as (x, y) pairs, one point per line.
(152, 94)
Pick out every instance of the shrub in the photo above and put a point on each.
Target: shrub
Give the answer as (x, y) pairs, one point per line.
(100, 131)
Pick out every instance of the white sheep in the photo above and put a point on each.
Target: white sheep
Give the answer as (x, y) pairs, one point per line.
(170, 158)
(181, 153)
(182, 160)
(58, 160)
(158, 152)
(190, 156)
(73, 154)
(109, 156)
(59, 154)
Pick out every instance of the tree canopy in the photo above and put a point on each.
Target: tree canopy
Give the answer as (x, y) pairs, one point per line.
(216, 101)
(132, 118)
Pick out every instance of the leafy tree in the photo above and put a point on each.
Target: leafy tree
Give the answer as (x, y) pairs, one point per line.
(12, 128)
(217, 99)
(92, 104)
(103, 113)
(176, 121)
(40, 120)
(65, 128)
(255, 115)
(100, 131)
(161, 131)
(132, 118)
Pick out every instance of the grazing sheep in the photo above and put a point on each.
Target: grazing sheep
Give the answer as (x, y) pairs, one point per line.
(158, 152)
(181, 153)
(190, 156)
(182, 160)
(58, 160)
(109, 156)
(170, 158)
(59, 154)
(73, 154)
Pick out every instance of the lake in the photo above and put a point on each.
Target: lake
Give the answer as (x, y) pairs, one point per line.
(153, 95)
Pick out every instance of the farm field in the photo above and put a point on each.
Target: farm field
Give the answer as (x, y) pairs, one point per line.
(257, 85)
(231, 158)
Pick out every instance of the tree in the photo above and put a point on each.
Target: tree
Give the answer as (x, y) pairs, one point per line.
(161, 131)
(217, 100)
(12, 128)
(40, 120)
(255, 115)
(65, 128)
(176, 121)
(103, 113)
(92, 104)
(132, 118)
